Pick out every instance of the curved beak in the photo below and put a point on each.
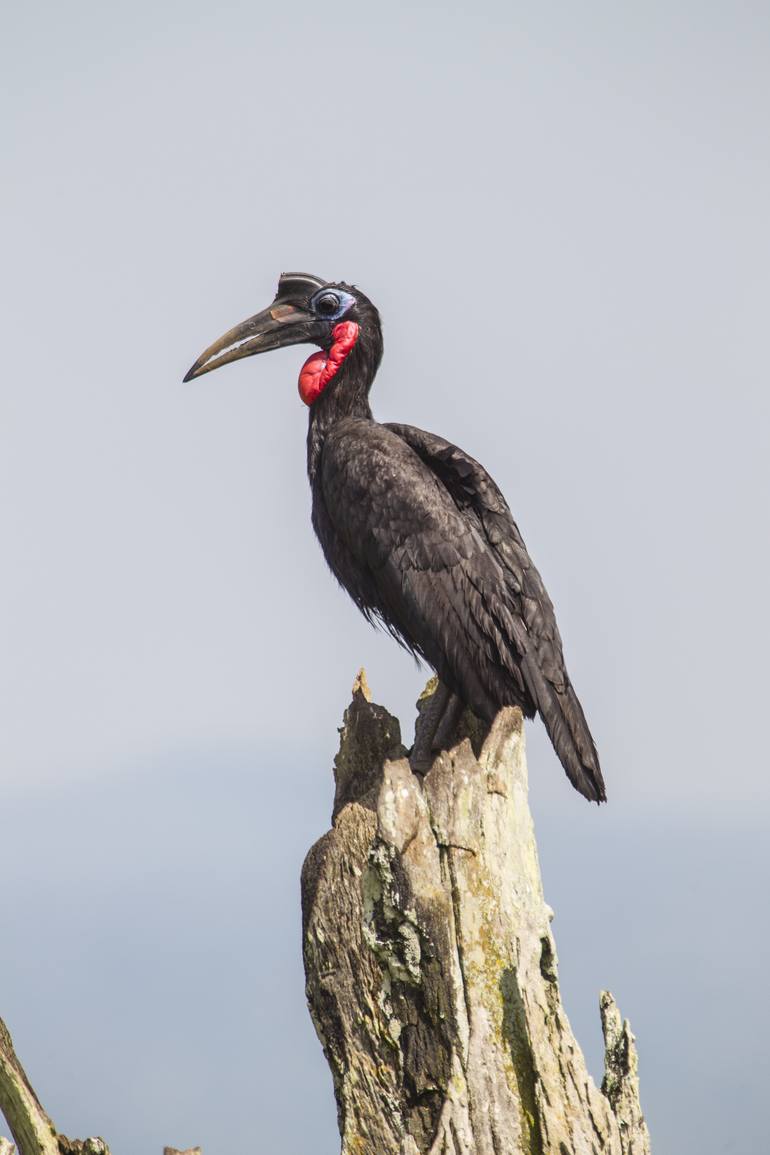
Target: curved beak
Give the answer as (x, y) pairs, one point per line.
(281, 324)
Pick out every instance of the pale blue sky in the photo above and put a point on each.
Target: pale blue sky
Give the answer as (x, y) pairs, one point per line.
(561, 211)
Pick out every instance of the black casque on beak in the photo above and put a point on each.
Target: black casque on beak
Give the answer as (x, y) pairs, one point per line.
(288, 321)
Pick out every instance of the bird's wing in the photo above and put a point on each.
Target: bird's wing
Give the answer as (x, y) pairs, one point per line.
(532, 631)
(408, 556)
(423, 539)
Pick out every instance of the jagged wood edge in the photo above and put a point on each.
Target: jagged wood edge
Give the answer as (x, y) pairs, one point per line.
(366, 752)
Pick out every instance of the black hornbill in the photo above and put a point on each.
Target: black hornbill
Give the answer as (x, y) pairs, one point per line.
(417, 531)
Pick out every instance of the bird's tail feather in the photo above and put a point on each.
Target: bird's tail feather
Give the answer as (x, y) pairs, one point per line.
(567, 728)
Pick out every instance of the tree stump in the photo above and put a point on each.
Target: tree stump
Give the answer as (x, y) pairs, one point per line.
(430, 965)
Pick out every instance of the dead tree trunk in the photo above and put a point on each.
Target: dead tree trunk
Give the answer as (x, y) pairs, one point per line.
(430, 964)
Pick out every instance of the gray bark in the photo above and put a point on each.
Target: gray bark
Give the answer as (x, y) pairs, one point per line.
(430, 964)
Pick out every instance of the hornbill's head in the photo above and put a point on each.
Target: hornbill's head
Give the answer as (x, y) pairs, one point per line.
(306, 310)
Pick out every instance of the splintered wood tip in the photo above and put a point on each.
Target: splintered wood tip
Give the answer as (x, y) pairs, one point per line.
(361, 685)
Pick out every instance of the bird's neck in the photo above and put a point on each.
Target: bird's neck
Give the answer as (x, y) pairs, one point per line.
(346, 395)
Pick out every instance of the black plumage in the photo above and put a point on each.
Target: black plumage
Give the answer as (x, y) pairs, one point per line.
(416, 530)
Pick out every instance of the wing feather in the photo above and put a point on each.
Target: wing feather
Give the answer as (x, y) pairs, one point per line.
(531, 639)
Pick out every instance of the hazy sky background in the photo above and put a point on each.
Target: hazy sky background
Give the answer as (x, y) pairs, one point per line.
(562, 213)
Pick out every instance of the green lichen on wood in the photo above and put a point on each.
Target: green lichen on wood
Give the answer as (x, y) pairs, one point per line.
(390, 931)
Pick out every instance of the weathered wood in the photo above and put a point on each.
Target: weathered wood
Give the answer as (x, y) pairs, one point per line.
(94, 1146)
(430, 964)
(30, 1124)
(621, 1078)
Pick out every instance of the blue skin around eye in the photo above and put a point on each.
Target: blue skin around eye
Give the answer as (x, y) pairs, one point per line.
(345, 299)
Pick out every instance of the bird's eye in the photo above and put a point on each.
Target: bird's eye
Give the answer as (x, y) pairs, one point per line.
(327, 305)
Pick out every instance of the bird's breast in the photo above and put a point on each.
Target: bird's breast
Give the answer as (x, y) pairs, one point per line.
(382, 501)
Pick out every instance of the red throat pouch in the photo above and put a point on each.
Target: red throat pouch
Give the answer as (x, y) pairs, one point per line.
(320, 367)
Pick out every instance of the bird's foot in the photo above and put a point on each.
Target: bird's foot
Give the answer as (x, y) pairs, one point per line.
(435, 727)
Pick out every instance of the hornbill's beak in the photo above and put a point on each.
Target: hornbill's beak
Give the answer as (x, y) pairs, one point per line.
(281, 324)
